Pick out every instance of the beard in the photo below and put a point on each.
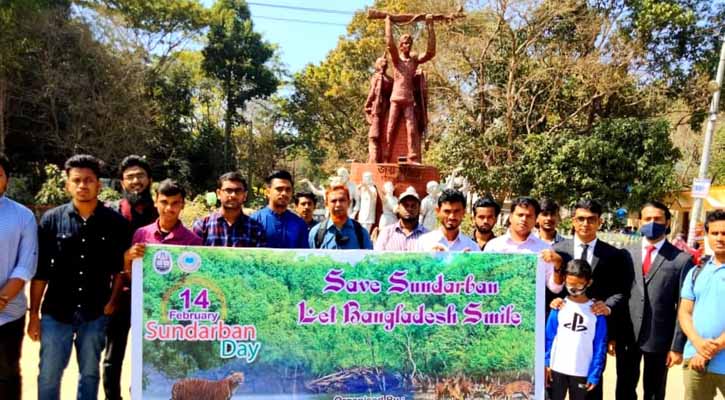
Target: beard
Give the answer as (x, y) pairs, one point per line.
(136, 198)
(485, 230)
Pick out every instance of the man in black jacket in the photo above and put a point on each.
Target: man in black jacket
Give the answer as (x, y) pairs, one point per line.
(649, 330)
(610, 266)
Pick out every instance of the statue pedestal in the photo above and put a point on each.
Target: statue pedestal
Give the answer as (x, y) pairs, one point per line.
(402, 175)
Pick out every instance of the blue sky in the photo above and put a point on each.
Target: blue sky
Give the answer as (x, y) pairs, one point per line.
(301, 43)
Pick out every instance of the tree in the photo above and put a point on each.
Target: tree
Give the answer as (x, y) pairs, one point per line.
(236, 56)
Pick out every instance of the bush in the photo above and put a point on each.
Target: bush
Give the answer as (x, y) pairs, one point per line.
(52, 193)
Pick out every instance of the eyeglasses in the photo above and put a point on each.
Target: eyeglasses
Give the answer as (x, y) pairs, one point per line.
(340, 239)
(590, 220)
(230, 191)
(132, 177)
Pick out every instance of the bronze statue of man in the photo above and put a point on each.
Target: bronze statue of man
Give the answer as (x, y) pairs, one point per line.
(376, 109)
(402, 99)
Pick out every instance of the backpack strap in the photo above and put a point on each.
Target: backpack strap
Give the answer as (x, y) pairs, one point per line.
(358, 233)
(320, 236)
(698, 268)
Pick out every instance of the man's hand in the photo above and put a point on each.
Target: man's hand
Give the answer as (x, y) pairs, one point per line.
(4, 300)
(34, 327)
(439, 247)
(706, 347)
(611, 348)
(590, 386)
(673, 358)
(698, 363)
(599, 308)
(136, 251)
(547, 374)
(556, 303)
(552, 257)
(109, 308)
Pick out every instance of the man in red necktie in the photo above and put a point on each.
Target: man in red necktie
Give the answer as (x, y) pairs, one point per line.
(648, 328)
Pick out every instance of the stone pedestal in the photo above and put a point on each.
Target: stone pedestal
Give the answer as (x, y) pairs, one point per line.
(402, 175)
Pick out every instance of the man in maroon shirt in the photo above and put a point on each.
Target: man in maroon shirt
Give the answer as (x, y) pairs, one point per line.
(168, 228)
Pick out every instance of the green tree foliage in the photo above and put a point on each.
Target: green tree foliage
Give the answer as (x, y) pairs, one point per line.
(236, 56)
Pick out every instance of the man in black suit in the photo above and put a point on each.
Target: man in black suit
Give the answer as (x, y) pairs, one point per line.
(609, 266)
(649, 329)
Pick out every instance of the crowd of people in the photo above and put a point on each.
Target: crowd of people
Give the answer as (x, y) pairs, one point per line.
(648, 303)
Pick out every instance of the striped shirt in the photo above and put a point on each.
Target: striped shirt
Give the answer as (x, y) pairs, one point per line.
(393, 238)
(18, 253)
(215, 231)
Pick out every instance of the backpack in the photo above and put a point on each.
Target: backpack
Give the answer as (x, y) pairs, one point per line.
(320, 236)
(698, 268)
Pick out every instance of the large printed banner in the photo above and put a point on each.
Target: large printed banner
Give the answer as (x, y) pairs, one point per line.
(219, 323)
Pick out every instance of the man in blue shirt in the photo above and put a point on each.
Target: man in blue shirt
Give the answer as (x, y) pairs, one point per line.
(339, 231)
(702, 319)
(18, 261)
(283, 228)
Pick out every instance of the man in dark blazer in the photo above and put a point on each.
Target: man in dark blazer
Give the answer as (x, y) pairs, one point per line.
(649, 330)
(609, 266)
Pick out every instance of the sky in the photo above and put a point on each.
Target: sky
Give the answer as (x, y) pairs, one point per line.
(300, 43)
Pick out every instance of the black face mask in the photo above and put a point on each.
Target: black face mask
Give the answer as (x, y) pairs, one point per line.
(136, 198)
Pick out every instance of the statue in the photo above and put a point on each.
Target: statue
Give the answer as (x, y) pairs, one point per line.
(390, 203)
(428, 205)
(403, 101)
(368, 201)
(460, 183)
(376, 109)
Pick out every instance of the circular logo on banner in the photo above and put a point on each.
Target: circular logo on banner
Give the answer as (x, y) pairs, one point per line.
(162, 262)
(189, 261)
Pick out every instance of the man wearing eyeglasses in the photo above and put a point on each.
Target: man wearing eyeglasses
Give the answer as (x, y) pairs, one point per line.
(339, 231)
(610, 267)
(230, 227)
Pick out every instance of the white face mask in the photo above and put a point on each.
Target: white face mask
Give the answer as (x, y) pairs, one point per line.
(576, 291)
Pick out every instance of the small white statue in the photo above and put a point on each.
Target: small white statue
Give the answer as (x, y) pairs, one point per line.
(368, 201)
(428, 205)
(343, 177)
(460, 183)
(390, 203)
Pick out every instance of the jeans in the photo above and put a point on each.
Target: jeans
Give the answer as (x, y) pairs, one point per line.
(56, 339)
(11, 342)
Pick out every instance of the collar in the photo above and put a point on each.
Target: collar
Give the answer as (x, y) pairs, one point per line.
(399, 228)
(529, 239)
(658, 245)
(267, 209)
(712, 262)
(174, 232)
(578, 242)
(220, 217)
(443, 235)
(3, 200)
(347, 224)
(71, 210)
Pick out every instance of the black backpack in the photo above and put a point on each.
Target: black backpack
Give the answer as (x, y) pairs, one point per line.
(323, 228)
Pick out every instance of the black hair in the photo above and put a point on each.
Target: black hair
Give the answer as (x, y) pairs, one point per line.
(486, 202)
(588, 204)
(134, 161)
(549, 205)
(452, 196)
(717, 215)
(308, 195)
(656, 204)
(170, 187)
(579, 269)
(279, 174)
(84, 161)
(232, 177)
(5, 163)
(525, 201)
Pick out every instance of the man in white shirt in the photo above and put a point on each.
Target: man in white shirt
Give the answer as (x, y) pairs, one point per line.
(448, 237)
(519, 240)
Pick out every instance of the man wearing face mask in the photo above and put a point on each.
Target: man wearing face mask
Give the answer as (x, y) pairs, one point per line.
(137, 207)
(647, 328)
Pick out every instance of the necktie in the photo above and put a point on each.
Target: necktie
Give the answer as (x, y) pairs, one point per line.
(585, 248)
(647, 260)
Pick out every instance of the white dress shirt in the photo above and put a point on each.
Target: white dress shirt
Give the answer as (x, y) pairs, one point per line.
(532, 245)
(656, 251)
(578, 249)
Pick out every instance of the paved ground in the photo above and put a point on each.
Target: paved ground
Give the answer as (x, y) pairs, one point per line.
(31, 350)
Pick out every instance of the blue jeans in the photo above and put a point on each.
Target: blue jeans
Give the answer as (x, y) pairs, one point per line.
(56, 339)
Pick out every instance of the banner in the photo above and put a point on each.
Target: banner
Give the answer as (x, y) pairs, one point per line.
(219, 323)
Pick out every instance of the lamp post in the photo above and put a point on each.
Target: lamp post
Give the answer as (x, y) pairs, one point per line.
(714, 88)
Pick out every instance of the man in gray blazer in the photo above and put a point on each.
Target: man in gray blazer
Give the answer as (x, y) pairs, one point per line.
(649, 329)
